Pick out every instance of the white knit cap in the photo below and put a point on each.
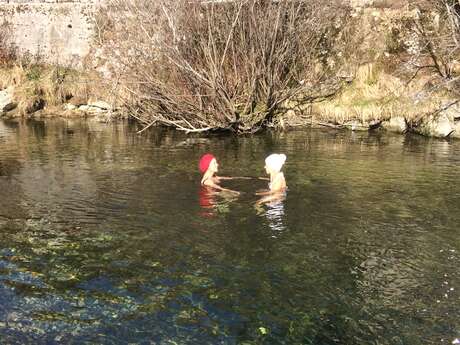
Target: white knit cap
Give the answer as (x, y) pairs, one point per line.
(275, 161)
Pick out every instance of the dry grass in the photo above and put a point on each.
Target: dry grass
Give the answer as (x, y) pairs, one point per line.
(376, 95)
(37, 86)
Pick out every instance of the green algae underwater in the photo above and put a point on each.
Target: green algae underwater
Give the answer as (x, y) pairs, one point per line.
(107, 238)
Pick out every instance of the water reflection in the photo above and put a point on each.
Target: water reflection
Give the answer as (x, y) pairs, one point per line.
(272, 208)
(106, 237)
(213, 202)
(208, 201)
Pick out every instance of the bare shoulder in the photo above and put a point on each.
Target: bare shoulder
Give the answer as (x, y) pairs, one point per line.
(208, 182)
(279, 183)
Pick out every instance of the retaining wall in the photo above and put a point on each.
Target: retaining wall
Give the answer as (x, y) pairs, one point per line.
(57, 31)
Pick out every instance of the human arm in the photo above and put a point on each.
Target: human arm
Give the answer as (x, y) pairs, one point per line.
(222, 189)
(235, 178)
(272, 197)
(211, 183)
(264, 192)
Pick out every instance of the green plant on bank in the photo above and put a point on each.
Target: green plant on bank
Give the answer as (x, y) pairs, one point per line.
(34, 73)
(393, 42)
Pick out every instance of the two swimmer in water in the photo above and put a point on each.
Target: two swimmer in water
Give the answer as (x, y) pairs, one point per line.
(273, 164)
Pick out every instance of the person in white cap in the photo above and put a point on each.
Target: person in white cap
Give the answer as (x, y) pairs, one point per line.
(273, 165)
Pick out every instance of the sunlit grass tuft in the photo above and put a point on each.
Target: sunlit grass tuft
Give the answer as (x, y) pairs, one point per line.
(39, 86)
(375, 95)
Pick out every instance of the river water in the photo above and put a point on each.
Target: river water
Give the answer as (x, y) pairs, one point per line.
(107, 238)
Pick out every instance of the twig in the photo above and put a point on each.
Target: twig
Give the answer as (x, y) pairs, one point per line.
(146, 127)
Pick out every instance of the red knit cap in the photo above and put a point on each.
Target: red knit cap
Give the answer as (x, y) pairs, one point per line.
(205, 161)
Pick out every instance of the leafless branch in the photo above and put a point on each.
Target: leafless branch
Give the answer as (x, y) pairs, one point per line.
(229, 65)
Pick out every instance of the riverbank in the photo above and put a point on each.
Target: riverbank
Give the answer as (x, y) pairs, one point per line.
(47, 91)
(383, 67)
(373, 100)
(373, 65)
(376, 100)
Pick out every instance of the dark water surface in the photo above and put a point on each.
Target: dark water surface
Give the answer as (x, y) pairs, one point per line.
(106, 238)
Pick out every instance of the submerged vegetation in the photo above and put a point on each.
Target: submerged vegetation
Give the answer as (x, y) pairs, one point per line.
(106, 250)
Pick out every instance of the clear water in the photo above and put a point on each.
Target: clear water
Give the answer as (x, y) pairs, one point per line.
(107, 238)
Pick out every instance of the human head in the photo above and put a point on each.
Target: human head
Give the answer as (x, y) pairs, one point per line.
(208, 161)
(274, 162)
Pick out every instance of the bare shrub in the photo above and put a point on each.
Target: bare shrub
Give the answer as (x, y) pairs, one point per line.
(229, 65)
(7, 49)
(437, 29)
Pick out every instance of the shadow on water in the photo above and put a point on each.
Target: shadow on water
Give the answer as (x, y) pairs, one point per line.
(106, 237)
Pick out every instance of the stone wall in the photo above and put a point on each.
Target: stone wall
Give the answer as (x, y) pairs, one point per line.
(60, 31)
(56, 31)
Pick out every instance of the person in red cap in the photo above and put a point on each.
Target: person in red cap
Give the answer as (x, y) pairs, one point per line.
(208, 167)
